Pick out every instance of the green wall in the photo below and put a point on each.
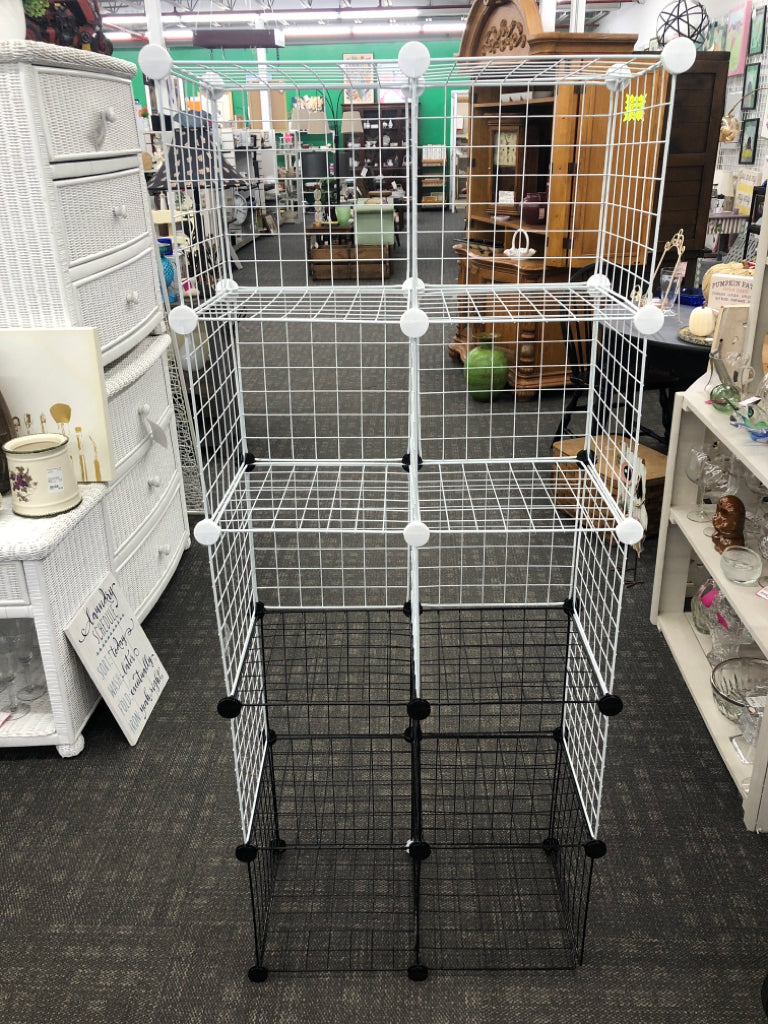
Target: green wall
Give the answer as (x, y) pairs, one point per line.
(434, 115)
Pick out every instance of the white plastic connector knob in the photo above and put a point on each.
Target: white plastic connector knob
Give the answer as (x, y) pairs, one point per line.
(183, 320)
(648, 320)
(226, 285)
(213, 83)
(598, 283)
(414, 323)
(416, 534)
(629, 531)
(155, 61)
(207, 532)
(413, 59)
(617, 77)
(408, 284)
(678, 55)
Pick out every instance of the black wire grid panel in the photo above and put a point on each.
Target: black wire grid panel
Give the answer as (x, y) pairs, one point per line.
(396, 832)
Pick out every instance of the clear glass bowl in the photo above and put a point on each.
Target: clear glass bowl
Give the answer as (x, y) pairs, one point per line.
(739, 683)
(741, 565)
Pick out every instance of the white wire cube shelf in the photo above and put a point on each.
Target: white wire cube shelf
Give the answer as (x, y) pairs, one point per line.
(527, 497)
(359, 481)
(443, 304)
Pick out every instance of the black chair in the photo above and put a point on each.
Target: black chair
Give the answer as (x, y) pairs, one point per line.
(620, 378)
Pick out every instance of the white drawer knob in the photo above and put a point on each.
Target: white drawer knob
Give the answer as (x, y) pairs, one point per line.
(164, 549)
(144, 409)
(132, 298)
(154, 481)
(110, 115)
(120, 211)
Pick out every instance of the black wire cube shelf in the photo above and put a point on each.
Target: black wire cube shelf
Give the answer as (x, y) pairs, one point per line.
(391, 832)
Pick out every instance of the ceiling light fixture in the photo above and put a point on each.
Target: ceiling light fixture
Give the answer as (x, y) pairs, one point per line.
(373, 15)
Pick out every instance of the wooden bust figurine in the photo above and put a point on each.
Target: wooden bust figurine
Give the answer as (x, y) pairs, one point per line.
(728, 521)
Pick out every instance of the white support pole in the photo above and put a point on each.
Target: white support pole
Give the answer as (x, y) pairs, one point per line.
(265, 96)
(578, 15)
(547, 12)
(154, 22)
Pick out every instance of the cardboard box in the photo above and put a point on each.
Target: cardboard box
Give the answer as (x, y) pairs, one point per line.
(565, 477)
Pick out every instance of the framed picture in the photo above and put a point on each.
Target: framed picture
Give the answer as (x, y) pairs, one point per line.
(719, 30)
(757, 31)
(748, 147)
(737, 36)
(749, 92)
(359, 75)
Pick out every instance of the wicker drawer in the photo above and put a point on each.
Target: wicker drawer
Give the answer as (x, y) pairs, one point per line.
(121, 302)
(13, 588)
(144, 572)
(101, 120)
(101, 213)
(147, 397)
(134, 496)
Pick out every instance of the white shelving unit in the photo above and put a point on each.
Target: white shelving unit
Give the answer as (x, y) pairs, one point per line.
(417, 604)
(681, 540)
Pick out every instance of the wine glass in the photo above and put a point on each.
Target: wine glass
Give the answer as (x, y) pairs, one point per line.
(710, 479)
(10, 700)
(28, 656)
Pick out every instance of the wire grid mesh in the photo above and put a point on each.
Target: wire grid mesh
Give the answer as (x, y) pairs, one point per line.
(307, 397)
(335, 796)
(582, 191)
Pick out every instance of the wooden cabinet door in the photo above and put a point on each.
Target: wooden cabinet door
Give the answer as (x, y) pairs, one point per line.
(699, 106)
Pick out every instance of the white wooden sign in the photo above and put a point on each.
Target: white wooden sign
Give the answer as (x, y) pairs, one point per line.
(119, 658)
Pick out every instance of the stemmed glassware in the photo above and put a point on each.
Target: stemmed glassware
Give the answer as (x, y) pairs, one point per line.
(28, 656)
(9, 699)
(710, 479)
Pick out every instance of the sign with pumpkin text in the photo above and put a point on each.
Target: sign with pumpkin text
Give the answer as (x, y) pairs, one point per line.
(119, 658)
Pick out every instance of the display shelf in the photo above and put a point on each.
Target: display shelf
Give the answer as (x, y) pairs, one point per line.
(682, 541)
(752, 610)
(366, 497)
(443, 304)
(357, 485)
(751, 454)
(690, 656)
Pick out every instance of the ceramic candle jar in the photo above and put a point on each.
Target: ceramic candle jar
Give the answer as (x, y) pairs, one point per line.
(42, 475)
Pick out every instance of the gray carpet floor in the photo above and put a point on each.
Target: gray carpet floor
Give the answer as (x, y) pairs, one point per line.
(122, 900)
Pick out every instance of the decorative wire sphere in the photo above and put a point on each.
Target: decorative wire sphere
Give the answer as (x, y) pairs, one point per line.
(686, 18)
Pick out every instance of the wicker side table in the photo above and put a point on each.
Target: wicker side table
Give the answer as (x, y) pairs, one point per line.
(47, 569)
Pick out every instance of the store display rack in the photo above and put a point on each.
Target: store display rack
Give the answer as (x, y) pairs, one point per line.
(417, 604)
(681, 541)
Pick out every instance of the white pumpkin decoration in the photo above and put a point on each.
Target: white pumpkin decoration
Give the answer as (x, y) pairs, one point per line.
(702, 321)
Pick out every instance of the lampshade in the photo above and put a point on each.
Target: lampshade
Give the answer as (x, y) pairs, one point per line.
(723, 182)
(312, 121)
(191, 161)
(351, 122)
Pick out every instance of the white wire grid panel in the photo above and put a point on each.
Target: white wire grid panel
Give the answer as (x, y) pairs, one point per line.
(542, 125)
(307, 395)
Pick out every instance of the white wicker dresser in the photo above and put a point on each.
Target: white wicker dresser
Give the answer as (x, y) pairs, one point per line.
(79, 250)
